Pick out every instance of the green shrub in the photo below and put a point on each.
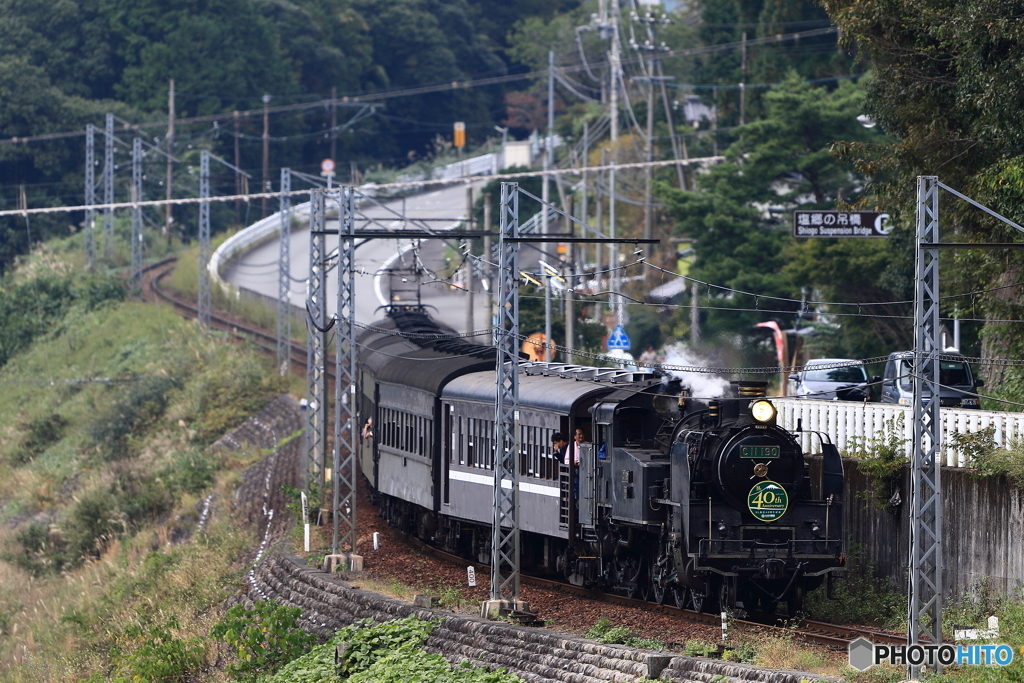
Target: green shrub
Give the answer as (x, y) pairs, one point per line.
(190, 471)
(860, 597)
(699, 648)
(424, 667)
(366, 642)
(155, 654)
(36, 555)
(263, 638)
(645, 643)
(92, 523)
(603, 631)
(39, 434)
(31, 308)
(143, 403)
(988, 459)
(882, 459)
(382, 653)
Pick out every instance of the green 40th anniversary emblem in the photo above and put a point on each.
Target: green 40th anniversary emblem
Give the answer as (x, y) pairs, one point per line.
(767, 501)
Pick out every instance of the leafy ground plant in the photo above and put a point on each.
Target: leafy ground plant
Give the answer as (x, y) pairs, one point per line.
(382, 653)
(154, 654)
(263, 638)
(883, 459)
(860, 598)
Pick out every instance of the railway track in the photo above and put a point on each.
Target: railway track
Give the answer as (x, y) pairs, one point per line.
(152, 291)
(820, 633)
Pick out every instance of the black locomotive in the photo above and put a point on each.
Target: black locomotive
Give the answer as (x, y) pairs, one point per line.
(704, 504)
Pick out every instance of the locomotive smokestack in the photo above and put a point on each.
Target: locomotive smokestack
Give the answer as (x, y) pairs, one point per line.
(751, 390)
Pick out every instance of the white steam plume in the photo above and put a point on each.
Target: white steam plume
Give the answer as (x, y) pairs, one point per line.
(702, 385)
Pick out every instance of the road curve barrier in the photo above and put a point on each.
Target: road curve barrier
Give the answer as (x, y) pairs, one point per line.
(246, 238)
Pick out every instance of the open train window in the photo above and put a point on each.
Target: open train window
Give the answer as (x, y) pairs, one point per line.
(629, 426)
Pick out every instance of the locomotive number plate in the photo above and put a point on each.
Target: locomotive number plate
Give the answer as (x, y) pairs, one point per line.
(767, 501)
(759, 452)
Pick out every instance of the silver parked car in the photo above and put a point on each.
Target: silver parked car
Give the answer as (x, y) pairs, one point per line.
(822, 379)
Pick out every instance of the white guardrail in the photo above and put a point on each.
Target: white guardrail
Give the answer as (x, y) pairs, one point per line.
(852, 424)
(245, 239)
(261, 230)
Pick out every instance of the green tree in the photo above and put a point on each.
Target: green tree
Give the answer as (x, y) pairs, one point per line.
(219, 52)
(740, 218)
(948, 88)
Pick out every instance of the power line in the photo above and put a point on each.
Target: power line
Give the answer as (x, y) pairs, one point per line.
(348, 100)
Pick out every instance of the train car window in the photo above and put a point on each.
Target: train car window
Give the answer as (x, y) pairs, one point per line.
(550, 461)
(629, 427)
(461, 443)
(470, 443)
(488, 450)
(446, 479)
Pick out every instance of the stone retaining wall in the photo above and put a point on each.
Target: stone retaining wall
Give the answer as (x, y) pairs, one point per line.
(329, 602)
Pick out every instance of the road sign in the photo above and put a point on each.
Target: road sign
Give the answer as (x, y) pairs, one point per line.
(618, 339)
(841, 224)
(460, 134)
(327, 168)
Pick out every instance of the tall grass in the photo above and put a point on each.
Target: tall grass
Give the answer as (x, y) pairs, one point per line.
(184, 282)
(85, 541)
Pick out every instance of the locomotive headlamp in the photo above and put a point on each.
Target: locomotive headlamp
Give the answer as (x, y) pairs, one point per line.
(763, 411)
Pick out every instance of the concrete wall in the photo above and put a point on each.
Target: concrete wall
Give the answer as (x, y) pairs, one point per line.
(983, 524)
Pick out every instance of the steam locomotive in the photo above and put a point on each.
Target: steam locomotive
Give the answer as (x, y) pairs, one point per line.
(705, 505)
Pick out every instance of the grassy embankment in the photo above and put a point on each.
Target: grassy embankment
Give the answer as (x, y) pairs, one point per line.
(107, 410)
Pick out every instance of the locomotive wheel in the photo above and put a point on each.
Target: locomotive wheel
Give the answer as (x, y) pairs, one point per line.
(697, 601)
(727, 595)
(795, 601)
(659, 591)
(680, 595)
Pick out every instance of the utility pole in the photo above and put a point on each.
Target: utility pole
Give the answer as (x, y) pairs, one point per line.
(487, 267)
(334, 124)
(586, 163)
(203, 299)
(170, 161)
(598, 249)
(136, 196)
(743, 79)
(548, 151)
(649, 171)
(108, 188)
(90, 197)
(570, 315)
(613, 249)
(694, 315)
(469, 261)
(673, 136)
(238, 164)
(266, 151)
(547, 314)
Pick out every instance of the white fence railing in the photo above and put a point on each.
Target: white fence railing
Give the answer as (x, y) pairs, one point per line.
(850, 424)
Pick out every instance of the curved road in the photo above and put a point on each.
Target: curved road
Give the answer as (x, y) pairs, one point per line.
(257, 269)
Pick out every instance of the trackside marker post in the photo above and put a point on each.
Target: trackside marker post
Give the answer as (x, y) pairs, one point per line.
(305, 519)
(471, 576)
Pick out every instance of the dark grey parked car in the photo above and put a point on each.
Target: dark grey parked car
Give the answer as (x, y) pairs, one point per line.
(821, 379)
(959, 386)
